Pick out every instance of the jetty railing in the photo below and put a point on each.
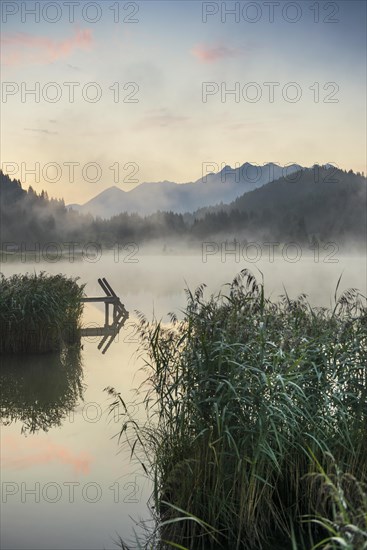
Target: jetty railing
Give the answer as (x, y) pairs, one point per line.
(119, 316)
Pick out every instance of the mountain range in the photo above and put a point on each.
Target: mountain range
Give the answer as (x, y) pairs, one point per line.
(322, 204)
(214, 188)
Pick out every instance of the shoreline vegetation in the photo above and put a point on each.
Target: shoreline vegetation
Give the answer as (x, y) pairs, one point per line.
(39, 313)
(255, 435)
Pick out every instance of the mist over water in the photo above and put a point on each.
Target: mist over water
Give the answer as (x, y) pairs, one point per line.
(155, 279)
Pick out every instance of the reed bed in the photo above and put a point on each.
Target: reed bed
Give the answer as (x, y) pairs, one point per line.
(256, 427)
(39, 312)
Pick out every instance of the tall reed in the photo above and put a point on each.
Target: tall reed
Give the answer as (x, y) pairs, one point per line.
(39, 312)
(246, 400)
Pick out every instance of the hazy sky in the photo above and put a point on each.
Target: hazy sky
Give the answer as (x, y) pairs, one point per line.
(151, 84)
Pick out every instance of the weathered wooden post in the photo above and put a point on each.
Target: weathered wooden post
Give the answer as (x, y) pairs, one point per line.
(119, 316)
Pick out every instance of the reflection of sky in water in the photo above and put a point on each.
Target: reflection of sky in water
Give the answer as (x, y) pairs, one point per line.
(81, 456)
(83, 450)
(75, 461)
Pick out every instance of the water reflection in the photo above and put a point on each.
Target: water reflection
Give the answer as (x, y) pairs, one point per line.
(39, 391)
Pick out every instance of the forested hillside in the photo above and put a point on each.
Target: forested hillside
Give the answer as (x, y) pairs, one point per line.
(329, 205)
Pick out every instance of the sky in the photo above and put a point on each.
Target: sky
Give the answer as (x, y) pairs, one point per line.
(132, 92)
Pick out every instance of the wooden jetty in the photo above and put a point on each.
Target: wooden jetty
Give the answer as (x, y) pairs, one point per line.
(119, 316)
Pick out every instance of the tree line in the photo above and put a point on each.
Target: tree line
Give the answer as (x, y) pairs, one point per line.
(301, 209)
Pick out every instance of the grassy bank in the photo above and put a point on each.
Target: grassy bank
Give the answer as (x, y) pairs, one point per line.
(256, 430)
(39, 313)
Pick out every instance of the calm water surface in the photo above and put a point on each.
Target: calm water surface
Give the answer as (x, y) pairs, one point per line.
(66, 483)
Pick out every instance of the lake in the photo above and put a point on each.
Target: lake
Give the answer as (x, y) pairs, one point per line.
(66, 483)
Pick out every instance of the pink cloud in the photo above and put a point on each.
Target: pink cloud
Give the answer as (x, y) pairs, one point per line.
(23, 48)
(209, 54)
(41, 453)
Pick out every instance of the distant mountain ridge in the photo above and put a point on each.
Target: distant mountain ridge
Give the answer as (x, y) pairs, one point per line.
(319, 205)
(325, 203)
(214, 188)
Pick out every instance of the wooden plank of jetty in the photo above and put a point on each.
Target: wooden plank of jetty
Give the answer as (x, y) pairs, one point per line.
(119, 316)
